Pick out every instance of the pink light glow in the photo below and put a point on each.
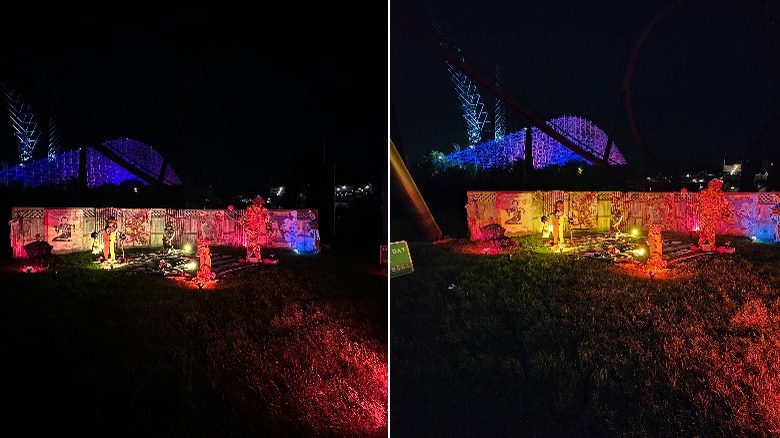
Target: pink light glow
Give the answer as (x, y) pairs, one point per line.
(352, 403)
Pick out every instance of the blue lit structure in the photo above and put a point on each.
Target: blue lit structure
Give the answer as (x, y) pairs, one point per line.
(500, 115)
(470, 103)
(54, 139)
(114, 162)
(545, 150)
(23, 122)
(469, 97)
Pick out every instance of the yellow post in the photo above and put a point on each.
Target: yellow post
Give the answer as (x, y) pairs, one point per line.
(403, 182)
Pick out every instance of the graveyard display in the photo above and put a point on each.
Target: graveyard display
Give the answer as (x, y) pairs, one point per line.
(175, 243)
(621, 226)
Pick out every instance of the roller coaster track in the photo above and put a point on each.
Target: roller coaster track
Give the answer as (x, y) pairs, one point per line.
(511, 101)
(625, 93)
(531, 118)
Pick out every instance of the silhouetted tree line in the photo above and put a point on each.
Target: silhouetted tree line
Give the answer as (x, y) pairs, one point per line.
(127, 194)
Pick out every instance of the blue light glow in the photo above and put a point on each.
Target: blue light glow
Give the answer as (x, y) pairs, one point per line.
(546, 151)
(101, 170)
(23, 123)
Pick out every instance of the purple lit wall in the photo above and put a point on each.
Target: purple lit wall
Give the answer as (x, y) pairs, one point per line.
(546, 150)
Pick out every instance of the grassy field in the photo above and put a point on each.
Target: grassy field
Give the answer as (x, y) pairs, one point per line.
(294, 349)
(541, 345)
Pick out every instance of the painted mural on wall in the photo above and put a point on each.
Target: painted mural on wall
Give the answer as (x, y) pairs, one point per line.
(64, 228)
(482, 213)
(618, 213)
(147, 228)
(583, 210)
(283, 228)
(659, 211)
(728, 213)
(212, 225)
(514, 213)
(743, 211)
(137, 227)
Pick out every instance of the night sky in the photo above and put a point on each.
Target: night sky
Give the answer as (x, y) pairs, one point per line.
(704, 83)
(236, 98)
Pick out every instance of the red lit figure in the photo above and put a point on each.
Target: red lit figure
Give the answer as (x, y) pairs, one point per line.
(712, 207)
(204, 270)
(255, 221)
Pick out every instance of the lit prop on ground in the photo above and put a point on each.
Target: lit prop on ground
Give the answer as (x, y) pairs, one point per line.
(712, 208)
(314, 233)
(17, 227)
(655, 245)
(775, 215)
(204, 270)
(167, 239)
(255, 221)
(111, 235)
(615, 220)
(40, 251)
(558, 217)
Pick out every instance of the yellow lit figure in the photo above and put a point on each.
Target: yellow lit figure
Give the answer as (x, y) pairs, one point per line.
(109, 241)
(558, 218)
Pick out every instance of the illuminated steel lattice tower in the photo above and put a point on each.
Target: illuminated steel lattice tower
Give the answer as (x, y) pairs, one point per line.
(500, 114)
(54, 139)
(53, 151)
(470, 100)
(23, 122)
(470, 103)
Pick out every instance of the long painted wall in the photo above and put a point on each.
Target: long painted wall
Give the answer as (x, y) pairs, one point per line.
(753, 214)
(70, 229)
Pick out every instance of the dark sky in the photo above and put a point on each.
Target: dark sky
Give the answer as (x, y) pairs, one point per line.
(702, 85)
(235, 97)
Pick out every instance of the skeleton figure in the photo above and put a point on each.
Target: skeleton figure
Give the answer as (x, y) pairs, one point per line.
(168, 234)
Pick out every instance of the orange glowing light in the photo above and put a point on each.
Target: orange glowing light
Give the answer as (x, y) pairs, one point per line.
(640, 270)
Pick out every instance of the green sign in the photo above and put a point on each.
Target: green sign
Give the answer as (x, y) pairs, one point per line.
(400, 259)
